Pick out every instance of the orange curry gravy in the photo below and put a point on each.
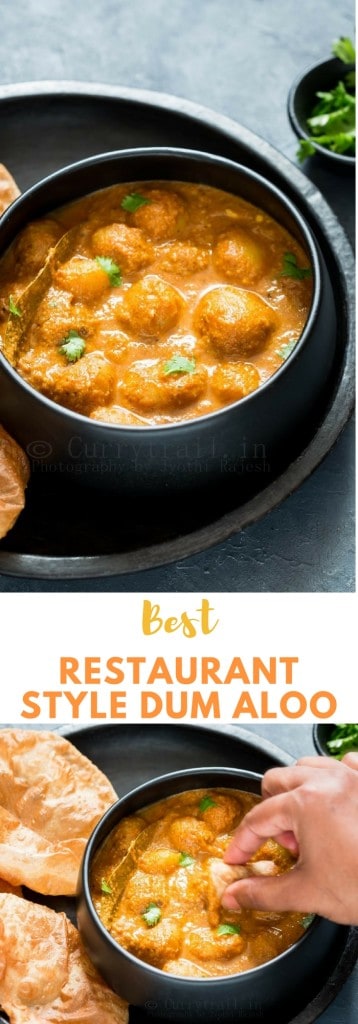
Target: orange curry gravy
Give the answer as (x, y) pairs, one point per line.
(152, 888)
(197, 314)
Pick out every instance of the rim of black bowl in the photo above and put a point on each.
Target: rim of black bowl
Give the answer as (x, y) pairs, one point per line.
(299, 126)
(205, 158)
(319, 745)
(94, 843)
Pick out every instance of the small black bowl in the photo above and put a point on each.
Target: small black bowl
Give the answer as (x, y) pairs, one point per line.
(320, 734)
(254, 435)
(302, 98)
(274, 991)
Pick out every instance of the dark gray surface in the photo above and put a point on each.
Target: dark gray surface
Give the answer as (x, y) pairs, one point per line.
(240, 58)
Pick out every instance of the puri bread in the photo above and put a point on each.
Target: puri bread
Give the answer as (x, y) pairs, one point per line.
(51, 797)
(8, 189)
(14, 475)
(46, 976)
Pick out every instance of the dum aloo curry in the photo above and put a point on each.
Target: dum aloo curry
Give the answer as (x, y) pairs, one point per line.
(157, 883)
(152, 303)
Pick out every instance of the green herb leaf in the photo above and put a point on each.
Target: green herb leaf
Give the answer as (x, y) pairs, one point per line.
(307, 920)
(185, 860)
(350, 79)
(286, 350)
(73, 347)
(344, 49)
(228, 929)
(179, 364)
(13, 308)
(105, 887)
(133, 201)
(205, 803)
(110, 268)
(291, 268)
(152, 915)
(343, 739)
(306, 149)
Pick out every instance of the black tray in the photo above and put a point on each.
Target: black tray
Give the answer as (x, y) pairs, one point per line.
(47, 125)
(133, 754)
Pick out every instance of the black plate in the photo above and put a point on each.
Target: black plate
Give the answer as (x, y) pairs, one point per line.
(47, 125)
(133, 754)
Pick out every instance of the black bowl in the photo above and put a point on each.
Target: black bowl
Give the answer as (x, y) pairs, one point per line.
(260, 431)
(302, 98)
(273, 991)
(320, 734)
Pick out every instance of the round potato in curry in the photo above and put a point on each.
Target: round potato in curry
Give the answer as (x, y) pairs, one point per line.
(152, 302)
(157, 881)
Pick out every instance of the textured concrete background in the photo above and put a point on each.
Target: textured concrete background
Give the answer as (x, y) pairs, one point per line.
(239, 57)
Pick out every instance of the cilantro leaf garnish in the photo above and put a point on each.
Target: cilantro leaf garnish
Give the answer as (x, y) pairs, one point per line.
(110, 268)
(179, 364)
(286, 350)
(307, 920)
(291, 268)
(13, 308)
(105, 887)
(228, 929)
(152, 915)
(133, 201)
(185, 860)
(206, 802)
(332, 120)
(344, 49)
(73, 347)
(343, 738)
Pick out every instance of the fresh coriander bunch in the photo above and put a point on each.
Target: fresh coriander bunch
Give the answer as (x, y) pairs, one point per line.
(332, 122)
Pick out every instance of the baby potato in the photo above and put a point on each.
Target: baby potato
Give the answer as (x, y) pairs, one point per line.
(206, 944)
(142, 889)
(234, 322)
(159, 861)
(240, 257)
(33, 245)
(160, 215)
(83, 277)
(233, 381)
(128, 246)
(150, 944)
(182, 258)
(147, 388)
(222, 815)
(190, 835)
(151, 307)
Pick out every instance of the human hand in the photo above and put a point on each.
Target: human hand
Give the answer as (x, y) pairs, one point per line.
(310, 808)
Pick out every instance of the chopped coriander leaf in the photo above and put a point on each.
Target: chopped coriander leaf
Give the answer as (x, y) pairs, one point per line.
(228, 929)
(286, 350)
(306, 149)
(350, 79)
(13, 308)
(133, 201)
(206, 802)
(179, 364)
(343, 739)
(344, 49)
(291, 268)
(185, 860)
(73, 347)
(110, 268)
(105, 887)
(152, 915)
(307, 920)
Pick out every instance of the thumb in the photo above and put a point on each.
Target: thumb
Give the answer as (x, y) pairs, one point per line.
(278, 893)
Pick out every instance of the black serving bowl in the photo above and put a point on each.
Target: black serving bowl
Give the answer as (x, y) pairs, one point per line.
(273, 991)
(302, 98)
(259, 431)
(320, 735)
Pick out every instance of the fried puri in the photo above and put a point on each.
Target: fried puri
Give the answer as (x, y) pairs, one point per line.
(51, 797)
(46, 976)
